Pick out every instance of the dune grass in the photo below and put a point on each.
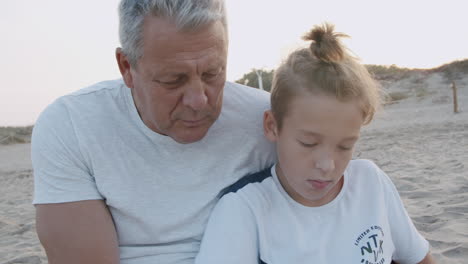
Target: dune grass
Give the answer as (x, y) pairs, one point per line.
(14, 135)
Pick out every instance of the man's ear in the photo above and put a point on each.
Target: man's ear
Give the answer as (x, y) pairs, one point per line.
(270, 127)
(124, 67)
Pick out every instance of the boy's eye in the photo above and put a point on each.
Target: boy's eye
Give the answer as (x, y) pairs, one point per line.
(307, 145)
(345, 148)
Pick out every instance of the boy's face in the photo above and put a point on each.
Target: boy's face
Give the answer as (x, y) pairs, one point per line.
(314, 146)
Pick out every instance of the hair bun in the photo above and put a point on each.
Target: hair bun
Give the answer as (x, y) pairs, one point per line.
(325, 43)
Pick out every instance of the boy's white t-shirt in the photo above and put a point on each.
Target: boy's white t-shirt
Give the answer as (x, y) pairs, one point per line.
(92, 144)
(256, 221)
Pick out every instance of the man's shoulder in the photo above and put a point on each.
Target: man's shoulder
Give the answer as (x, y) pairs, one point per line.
(91, 98)
(239, 94)
(245, 104)
(110, 86)
(240, 88)
(86, 104)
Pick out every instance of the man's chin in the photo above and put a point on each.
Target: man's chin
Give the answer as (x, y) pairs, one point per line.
(190, 135)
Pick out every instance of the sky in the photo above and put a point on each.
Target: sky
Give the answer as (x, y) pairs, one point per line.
(50, 48)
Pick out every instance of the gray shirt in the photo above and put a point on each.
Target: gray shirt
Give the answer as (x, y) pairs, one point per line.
(92, 144)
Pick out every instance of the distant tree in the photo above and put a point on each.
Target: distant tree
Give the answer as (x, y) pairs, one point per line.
(251, 79)
(385, 72)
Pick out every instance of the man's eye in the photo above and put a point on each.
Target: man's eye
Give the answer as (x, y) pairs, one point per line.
(173, 81)
(212, 75)
(209, 75)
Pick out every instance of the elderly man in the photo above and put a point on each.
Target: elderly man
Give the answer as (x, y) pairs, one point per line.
(127, 171)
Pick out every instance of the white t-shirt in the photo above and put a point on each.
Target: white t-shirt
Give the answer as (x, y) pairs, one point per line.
(258, 222)
(92, 144)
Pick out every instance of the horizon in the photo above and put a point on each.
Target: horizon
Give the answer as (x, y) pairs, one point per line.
(415, 69)
(45, 59)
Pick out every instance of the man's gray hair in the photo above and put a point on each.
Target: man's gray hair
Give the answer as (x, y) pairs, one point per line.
(186, 14)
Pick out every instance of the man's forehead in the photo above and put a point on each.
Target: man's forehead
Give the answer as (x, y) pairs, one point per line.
(163, 44)
(162, 27)
(166, 38)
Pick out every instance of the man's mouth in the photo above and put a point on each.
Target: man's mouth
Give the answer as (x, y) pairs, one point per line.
(194, 123)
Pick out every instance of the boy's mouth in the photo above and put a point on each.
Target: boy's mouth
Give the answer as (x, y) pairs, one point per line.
(317, 184)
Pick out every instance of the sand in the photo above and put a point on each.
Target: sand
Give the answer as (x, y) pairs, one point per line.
(419, 142)
(423, 146)
(18, 240)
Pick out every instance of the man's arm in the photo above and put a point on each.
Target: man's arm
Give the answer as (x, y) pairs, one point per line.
(77, 232)
(428, 259)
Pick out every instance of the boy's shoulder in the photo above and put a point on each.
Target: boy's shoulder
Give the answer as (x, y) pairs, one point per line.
(364, 163)
(365, 172)
(249, 183)
(254, 190)
(363, 166)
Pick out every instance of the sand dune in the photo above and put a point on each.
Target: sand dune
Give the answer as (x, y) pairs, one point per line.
(419, 142)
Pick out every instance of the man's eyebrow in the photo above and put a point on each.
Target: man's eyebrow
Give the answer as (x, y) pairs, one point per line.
(164, 73)
(215, 68)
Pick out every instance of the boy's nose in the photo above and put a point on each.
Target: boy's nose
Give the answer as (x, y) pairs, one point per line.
(326, 165)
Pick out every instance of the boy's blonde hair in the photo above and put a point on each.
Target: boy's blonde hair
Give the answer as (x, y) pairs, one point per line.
(325, 68)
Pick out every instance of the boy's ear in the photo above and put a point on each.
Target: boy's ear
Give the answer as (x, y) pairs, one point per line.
(270, 128)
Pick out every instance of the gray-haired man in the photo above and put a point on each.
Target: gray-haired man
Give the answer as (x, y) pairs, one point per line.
(127, 171)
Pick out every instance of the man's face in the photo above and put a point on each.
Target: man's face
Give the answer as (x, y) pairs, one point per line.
(177, 84)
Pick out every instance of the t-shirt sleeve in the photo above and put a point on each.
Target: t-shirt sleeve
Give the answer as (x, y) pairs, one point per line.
(231, 235)
(410, 245)
(60, 171)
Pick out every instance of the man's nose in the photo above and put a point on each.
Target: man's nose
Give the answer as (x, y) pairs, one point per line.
(195, 95)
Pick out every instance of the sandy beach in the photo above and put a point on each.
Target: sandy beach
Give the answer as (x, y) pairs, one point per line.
(18, 240)
(418, 141)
